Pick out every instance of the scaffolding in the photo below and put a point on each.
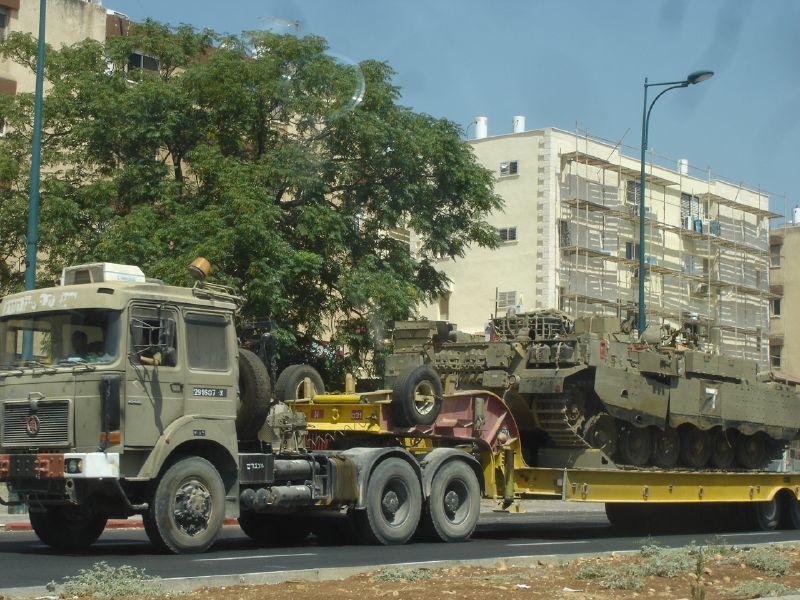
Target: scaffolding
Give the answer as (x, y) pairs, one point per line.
(707, 246)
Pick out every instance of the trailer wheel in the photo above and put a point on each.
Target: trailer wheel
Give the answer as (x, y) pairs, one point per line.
(792, 508)
(274, 530)
(187, 508)
(255, 392)
(417, 397)
(67, 528)
(451, 512)
(290, 382)
(764, 516)
(393, 504)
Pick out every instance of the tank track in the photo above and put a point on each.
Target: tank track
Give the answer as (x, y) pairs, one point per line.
(560, 418)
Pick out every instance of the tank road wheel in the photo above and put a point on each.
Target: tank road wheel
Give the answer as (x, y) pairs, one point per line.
(393, 504)
(187, 508)
(635, 445)
(417, 397)
(751, 451)
(290, 382)
(764, 516)
(666, 448)
(255, 391)
(723, 448)
(601, 433)
(695, 447)
(274, 530)
(451, 513)
(67, 528)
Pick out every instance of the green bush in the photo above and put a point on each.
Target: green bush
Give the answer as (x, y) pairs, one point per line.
(102, 580)
(762, 589)
(399, 574)
(767, 559)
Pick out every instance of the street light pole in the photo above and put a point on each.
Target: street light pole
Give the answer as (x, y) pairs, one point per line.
(692, 79)
(36, 158)
(32, 236)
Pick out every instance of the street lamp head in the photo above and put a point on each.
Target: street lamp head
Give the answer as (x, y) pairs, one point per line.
(699, 76)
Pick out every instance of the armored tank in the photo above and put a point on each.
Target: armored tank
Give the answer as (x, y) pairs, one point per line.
(592, 383)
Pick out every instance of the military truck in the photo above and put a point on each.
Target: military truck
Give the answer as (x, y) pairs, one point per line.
(120, 395)
(659, 401)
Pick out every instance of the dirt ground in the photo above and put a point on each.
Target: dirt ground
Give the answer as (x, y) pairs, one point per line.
(712, 572)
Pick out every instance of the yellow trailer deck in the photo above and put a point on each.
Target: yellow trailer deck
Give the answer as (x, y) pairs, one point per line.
(479, 422)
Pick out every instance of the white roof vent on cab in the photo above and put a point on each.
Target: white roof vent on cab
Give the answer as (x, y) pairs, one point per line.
(100, 272)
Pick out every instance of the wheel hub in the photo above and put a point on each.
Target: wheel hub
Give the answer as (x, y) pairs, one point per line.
(192, 508)
(424, 398)
(391, 503)
(451, 501)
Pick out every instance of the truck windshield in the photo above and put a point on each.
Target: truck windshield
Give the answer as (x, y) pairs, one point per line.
(61, 337)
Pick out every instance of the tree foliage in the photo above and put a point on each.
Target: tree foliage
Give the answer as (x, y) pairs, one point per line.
(251, 151)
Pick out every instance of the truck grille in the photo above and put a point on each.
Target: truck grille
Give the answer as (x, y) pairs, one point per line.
(53, 424)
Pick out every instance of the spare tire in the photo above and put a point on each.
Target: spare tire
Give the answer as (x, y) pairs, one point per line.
(290, 382)
(417, 397)
(255, 391)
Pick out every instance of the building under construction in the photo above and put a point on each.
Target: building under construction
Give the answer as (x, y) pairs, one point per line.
(570, 240)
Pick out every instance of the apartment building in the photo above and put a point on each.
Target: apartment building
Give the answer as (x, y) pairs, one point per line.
(784, 279)
(67, 22)
(569, 234)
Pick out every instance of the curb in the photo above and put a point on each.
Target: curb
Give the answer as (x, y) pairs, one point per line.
(112, 524)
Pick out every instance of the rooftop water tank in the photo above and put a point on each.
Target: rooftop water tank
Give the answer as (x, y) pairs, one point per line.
(481, 127)
(518, 123)
(683, 166)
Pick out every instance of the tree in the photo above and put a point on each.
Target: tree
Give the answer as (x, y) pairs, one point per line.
(255, 152)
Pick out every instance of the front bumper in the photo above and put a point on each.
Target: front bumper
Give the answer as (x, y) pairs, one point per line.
(53, 466)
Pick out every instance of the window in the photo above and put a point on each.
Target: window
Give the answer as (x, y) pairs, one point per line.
(137, 60)
(444, 307)
(690, 207)
(631, 250)
(153, 339)
(3, 22)
(510, 167)
(775, 356)
(633, 192)
(506, 299)
(507, 234)
(775, 255)
(207, 342)
(564, 237)
(775, 308)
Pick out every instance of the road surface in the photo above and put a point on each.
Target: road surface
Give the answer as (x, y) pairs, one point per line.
(551, 530)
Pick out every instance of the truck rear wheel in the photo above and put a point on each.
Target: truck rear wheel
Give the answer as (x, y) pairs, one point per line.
(764, 516)
(452, 510)
(274, 530)
(417, 397)
(255, 392)
(393, 504)
(187, 508)
(67, 528)
(290, 382)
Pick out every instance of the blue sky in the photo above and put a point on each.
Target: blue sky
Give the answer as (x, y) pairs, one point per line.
(560, 63)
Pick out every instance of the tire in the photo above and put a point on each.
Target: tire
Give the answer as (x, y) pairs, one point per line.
(395, 484)
(67, 528)
(764, 516)
(666, 448)
(190, 529)
(274, 530)
(417, 397)
(290, 381)
(451, 512)
(255, 391)
(723, 448)
(792, 511)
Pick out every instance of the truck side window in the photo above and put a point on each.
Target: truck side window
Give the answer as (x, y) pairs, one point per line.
(207, 341)
(149, 344)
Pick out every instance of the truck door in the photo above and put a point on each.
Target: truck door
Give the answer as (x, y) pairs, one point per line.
(211, 359)
(154, 379)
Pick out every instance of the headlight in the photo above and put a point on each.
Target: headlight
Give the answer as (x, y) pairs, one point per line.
(74, 465)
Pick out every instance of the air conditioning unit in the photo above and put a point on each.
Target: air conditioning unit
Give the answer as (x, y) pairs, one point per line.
(686, 222)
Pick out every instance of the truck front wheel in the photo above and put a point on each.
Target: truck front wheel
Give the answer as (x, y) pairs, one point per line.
(67, 528)
(393, 504)
(451, 513)
(187, 508)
